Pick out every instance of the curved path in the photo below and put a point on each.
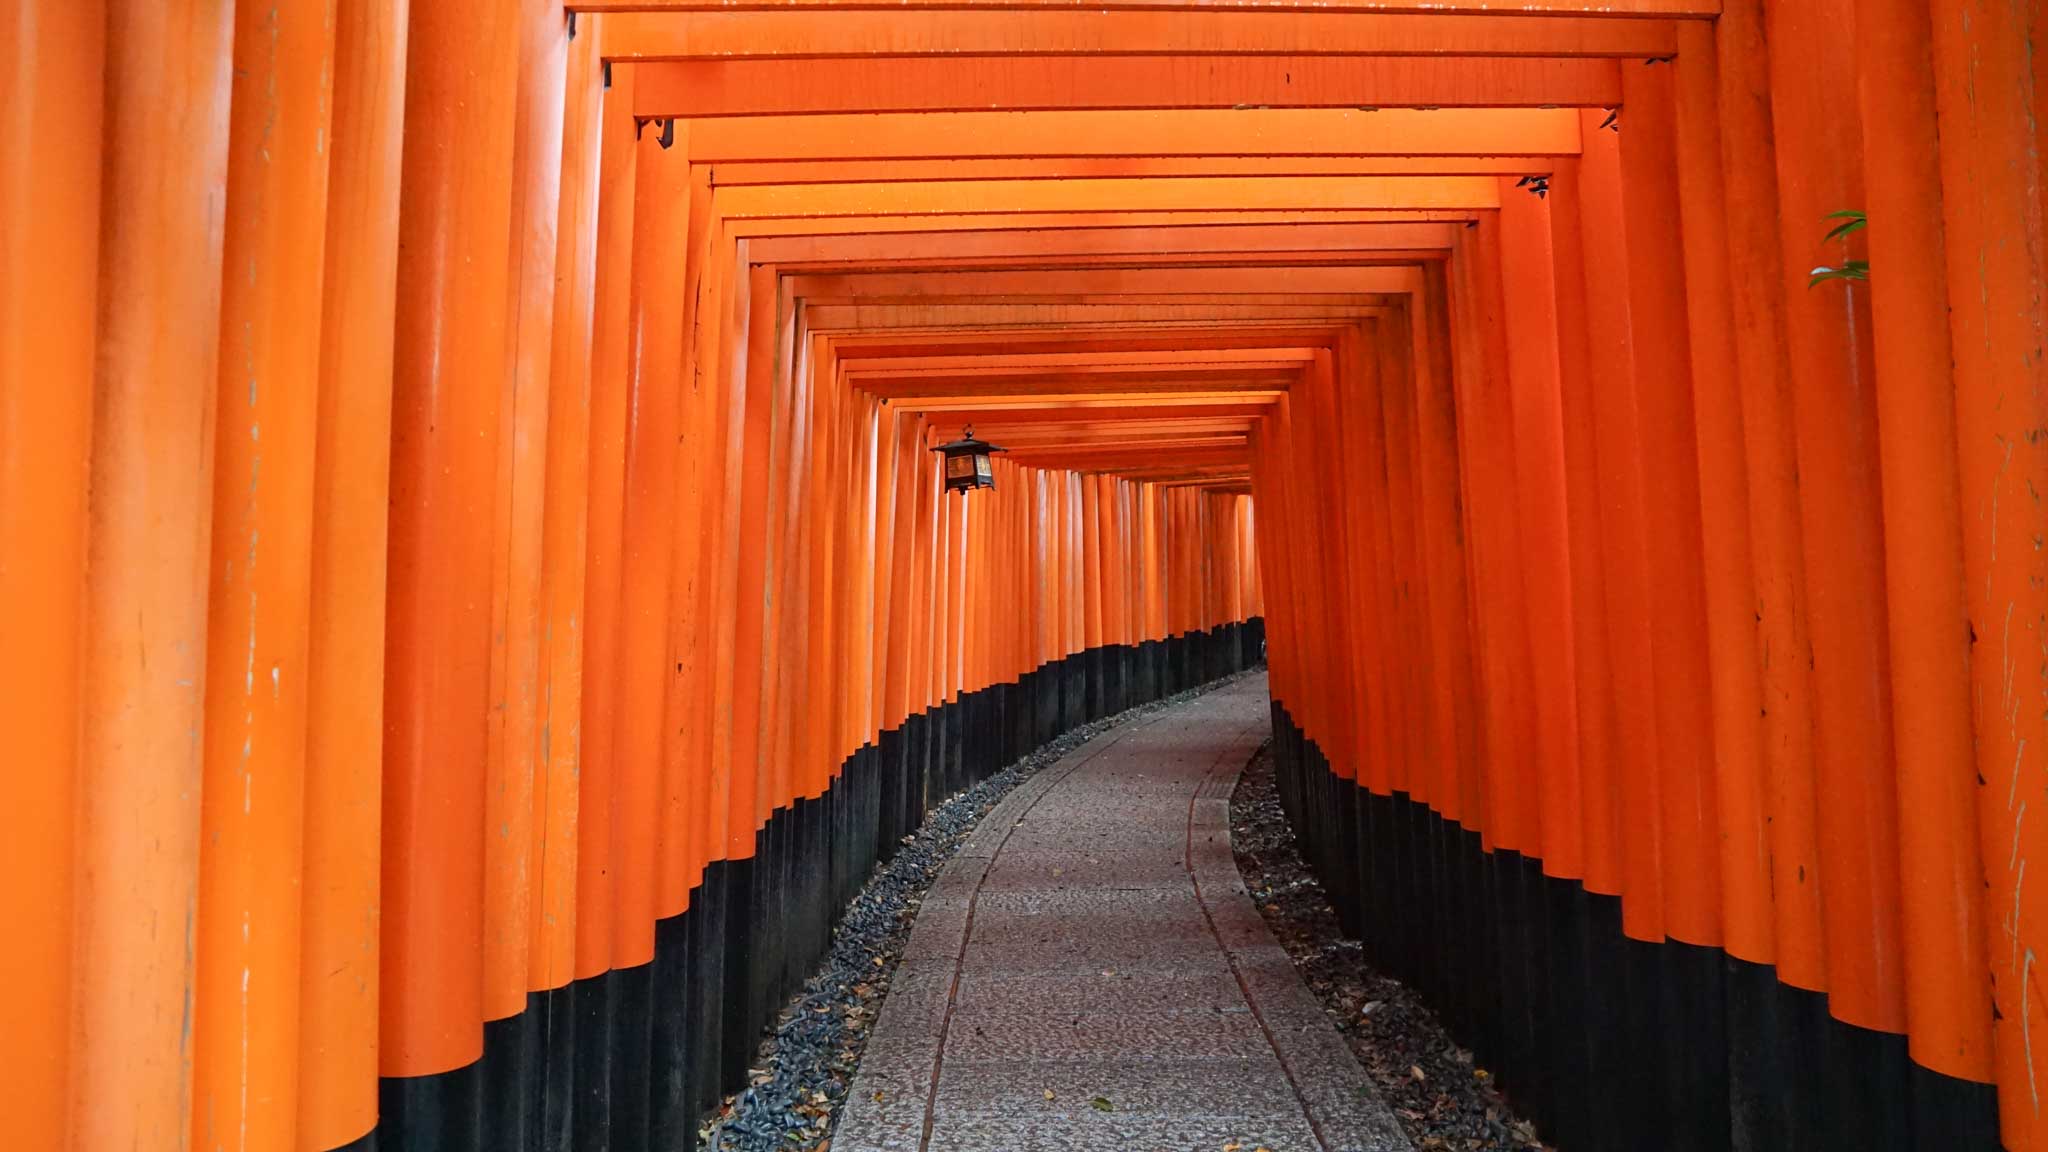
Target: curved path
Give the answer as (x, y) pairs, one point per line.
(1088, 972)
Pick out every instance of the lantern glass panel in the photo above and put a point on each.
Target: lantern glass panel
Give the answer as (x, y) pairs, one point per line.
(960, 467)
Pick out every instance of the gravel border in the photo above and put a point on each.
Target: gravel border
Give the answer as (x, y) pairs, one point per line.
(800, 1075)
(1442, 1101)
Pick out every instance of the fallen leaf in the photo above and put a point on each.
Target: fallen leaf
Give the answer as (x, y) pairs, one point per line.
(1371, 1006)
(1415, 1070)
(881, 1097)
(1233, 1146)
(1102, 1104)
(1048, 1094)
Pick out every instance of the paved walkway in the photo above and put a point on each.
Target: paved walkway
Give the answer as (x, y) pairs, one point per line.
(1088, 973)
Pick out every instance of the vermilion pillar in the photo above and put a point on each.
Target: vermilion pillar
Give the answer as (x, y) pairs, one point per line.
(1819, 170)
(351, 489)
(603, 540)
(1624, 563)
(50, 90)
(246, 1007)
(565, 520)
(162, 183)
(448, 376)
(1948, 990)
(1987, 90)
(1777, 555)
(512, 765)
(1728, 583)
(1537, 425)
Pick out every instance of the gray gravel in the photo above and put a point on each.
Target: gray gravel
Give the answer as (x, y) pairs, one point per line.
(1440, 1097)
(800, 1077)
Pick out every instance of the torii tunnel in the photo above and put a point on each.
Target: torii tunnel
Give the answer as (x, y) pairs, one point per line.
(477, 596)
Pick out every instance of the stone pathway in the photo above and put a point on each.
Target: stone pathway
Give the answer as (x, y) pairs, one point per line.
(1088, 973)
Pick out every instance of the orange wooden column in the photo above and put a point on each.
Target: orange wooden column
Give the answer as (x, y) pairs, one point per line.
(918, 696)
(1624, 532)
(1987, 89)
(1347, 462)
(1488, 452)
(448, 373)
(604, 545)
(1942, 917)
(339, 988)
(1599, 785)
(50, 88)
(753, 626)
(1776, 539)
(1730, 586)
(1536, 409)
(688, 779)
(163, 178)
(647, 535)
(1828, 329)
(786, 694)
(1443, 543)
(564, 523)
(1669, 446)
(1341, 641)
(512, 778)
(245, 1010)
(908, 444)
(1409, 601)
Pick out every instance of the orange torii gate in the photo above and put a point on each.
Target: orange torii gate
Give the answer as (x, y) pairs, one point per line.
(465, 505)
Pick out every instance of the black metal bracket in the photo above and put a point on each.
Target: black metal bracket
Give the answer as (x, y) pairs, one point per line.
(572, 23)
(1538, 186)
(668, 133)
(607, 75)
(1613, 121)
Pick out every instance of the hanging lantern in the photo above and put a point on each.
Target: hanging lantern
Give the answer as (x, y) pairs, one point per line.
(967, 462)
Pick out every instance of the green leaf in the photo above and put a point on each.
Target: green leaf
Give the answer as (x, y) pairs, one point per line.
(1850, 270)
(1850, 222)
(1102, 1104)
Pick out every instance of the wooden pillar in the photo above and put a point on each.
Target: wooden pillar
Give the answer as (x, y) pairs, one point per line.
(245, 1013)
(1664, 420)
(1597, 816)
(162, 183)
(1987, 89)
(1819, 154)
(603, 525)
(1443, 542)
(1536, 410)
(1776, 538)
(351, 498)
(448, 375)
(1624, 530)
(564, 523)
(1947, 985)
(513, 737)
(51, 93)
(1730, 587)
(1488, 452)
(654, 421)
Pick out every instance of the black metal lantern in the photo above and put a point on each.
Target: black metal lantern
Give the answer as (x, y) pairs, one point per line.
(967, 462)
